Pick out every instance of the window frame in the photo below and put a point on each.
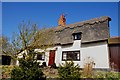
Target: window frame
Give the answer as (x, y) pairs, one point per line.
(42, 55)
(69, 52)
(77, 36)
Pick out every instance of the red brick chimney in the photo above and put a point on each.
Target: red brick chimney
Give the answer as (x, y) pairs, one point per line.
(62, 21)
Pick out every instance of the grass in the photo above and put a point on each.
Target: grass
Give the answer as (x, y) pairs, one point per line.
(102, 74)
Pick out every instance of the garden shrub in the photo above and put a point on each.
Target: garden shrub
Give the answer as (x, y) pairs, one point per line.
(28, 69)
(88, 67)
(69, 71)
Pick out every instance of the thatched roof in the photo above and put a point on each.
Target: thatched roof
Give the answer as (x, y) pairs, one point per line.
(96, 29)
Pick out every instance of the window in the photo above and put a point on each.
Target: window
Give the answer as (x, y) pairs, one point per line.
(71, 55)
(77, 36)
(41, 56)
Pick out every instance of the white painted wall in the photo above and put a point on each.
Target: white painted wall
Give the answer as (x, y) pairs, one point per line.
(46, 54)
(97, 51)
(76, 46)
(20, 55)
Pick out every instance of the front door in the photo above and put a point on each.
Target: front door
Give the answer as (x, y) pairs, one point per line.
(51, 57)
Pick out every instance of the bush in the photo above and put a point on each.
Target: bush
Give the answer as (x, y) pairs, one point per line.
(69, 71)
(88, 67)
(6, 69)
(28, 69)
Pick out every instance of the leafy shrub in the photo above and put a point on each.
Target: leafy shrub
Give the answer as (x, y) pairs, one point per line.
(69, 71)
(28, 69)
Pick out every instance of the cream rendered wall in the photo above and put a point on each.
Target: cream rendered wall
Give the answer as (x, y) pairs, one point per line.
(20, 55)
(46, 55)
(97, 51)
(58, 56)
(46, 58)
(58, 53)
(75, 46)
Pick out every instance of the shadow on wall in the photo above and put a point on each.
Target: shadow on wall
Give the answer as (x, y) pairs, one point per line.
(67, 45)
(97, 43)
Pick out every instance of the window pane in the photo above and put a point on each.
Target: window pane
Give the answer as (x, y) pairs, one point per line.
(77, 36)
(43, 56)
(78, 56)
(40, 56)
(64, 56)
(71, 55)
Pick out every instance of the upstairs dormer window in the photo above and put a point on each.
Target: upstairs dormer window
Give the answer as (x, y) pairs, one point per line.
(77, 36)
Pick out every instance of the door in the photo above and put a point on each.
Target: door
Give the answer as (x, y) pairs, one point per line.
(51, 57)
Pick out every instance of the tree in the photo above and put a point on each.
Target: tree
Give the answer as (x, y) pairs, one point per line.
(28, 39)
(6, 48)
(22, 40)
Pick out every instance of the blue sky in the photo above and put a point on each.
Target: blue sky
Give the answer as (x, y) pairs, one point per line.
(60, 0)
(46, 14)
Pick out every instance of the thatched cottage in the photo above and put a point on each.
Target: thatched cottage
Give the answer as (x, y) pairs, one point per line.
(78, 42)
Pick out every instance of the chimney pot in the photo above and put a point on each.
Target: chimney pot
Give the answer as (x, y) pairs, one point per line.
(62, 21)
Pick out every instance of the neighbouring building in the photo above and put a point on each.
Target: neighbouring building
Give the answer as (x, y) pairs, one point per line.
(6, 60)
(114, 49)
(79, 41)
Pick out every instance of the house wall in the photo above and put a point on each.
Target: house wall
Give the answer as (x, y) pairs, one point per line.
(47, 51)
(20, 55)
(98, 52)
(76, 46)
(46, 57)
